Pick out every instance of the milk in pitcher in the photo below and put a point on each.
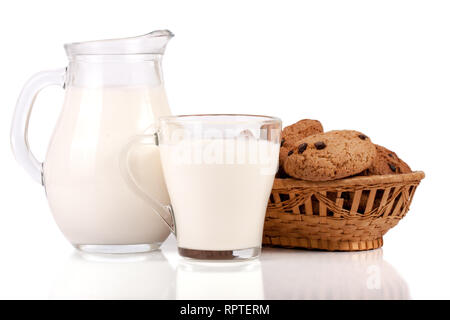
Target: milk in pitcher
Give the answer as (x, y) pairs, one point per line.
(82, 178)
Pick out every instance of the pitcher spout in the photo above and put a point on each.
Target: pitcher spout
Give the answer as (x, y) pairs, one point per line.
(151, 43)
(156, 41)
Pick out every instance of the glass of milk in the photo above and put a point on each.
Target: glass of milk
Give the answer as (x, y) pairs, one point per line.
(219, 171)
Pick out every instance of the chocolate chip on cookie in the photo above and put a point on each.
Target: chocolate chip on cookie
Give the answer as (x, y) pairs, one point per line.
(290, 153)
(302, 147)
(320, 145)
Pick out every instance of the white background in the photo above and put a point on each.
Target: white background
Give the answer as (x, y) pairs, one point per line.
(381, 67)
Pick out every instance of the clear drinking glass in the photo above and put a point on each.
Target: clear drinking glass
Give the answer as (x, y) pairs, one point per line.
(219, 171)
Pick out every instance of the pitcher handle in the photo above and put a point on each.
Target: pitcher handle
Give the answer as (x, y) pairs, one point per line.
(21, 118)
(165, 212)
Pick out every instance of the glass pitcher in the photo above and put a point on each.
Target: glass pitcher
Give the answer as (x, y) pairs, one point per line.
(114, 91)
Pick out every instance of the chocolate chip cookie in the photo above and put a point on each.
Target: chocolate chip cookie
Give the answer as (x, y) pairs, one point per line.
(301, 129)
(387, 162)
(330, 156)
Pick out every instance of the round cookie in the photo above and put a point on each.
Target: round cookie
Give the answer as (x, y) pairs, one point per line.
(387, 162)
(301, 129)
(330, 156)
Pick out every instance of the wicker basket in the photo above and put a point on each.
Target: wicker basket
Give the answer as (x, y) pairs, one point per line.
(344, 215)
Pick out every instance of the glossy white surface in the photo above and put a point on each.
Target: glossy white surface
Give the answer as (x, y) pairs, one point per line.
(60, 272)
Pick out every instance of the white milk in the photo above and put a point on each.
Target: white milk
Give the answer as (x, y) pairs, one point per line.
(219, 202)
(87, 194)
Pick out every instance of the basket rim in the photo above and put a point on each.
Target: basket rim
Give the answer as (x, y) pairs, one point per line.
(353, 181)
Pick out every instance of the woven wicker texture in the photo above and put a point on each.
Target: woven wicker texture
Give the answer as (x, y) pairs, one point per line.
(344, 215)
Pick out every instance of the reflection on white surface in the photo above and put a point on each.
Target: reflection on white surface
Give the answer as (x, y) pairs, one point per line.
(219, 281)
(330, 275)
(131, 276)
(278, 274)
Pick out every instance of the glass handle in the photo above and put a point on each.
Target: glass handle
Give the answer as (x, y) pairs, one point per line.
(19, 128)
(163, 211)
